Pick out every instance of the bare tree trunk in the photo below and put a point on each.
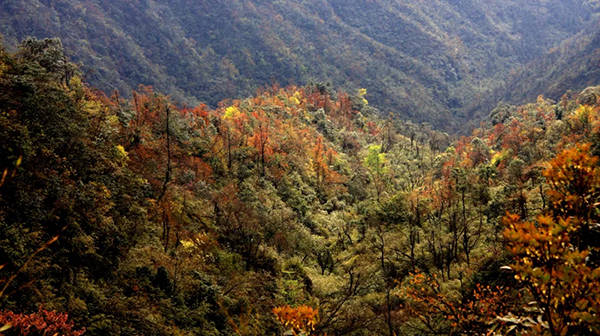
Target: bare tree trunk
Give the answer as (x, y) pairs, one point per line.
(167, 179)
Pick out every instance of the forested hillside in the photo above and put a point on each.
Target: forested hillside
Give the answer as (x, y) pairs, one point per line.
(573, 65)
(299, 210)
(423, 60)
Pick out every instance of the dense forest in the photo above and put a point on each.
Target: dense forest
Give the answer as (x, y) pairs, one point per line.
(436, 60)
(302, 210)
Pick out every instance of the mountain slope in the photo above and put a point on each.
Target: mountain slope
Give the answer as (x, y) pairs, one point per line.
(293, 209)
(421, 60)
(574, 65)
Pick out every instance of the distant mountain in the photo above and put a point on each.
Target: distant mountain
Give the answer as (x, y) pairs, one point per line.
(573, 65)
(423, 60)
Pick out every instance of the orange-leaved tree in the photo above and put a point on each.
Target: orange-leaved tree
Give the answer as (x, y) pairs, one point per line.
(300, 320)
(556, 256)
(441, 312)
(42, 322)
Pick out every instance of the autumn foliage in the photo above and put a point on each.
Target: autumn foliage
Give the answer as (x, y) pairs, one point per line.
(139, 217)
(555, 257)
(470, 312)
(555, 262)
(40, 323)
(300, 320)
